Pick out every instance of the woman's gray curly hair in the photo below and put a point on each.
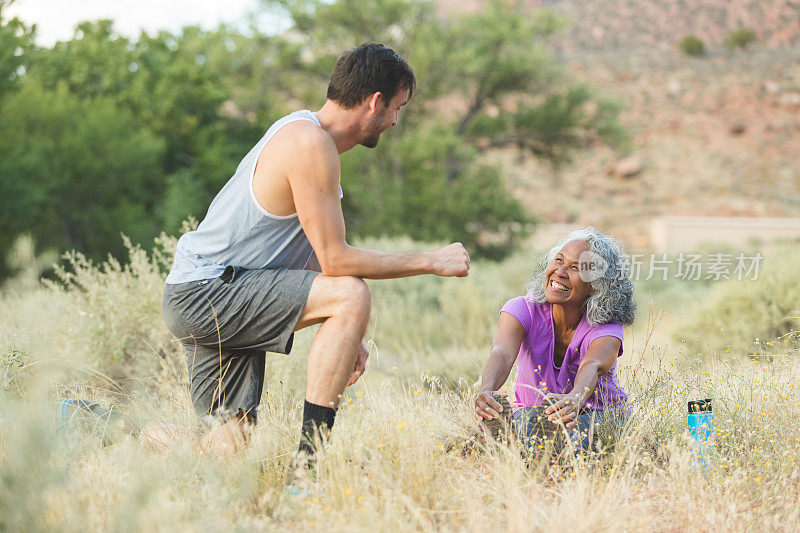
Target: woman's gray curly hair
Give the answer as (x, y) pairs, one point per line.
(612, 291)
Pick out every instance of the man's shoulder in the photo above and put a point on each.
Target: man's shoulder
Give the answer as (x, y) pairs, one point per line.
(301, 147)
(305, 134)
(309, 150)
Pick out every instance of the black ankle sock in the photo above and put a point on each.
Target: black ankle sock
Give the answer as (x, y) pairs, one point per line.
(317, 425)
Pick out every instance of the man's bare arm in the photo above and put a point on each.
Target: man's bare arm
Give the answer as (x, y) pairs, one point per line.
(314, 181)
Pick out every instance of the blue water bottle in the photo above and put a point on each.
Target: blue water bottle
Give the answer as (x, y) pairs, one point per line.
(701, 429)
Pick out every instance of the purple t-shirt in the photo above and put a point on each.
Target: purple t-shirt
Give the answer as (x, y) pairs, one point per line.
(537, 372)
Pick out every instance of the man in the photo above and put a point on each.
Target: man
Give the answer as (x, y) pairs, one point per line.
(271, 258)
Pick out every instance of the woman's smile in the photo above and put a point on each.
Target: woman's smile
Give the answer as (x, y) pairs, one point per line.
(559, 286)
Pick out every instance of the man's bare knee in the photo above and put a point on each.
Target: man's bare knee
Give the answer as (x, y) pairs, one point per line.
(336, 296)
(356, 298)
(230, 437)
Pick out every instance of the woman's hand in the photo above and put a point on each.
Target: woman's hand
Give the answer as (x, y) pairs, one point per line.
(563, 408)
(486, 406)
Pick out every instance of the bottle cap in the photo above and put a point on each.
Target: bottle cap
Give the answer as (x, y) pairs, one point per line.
(700, 406)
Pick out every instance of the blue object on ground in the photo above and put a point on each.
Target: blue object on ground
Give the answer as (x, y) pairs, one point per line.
(69, 408)
(701, 429)
(310, 491)
(78, 419)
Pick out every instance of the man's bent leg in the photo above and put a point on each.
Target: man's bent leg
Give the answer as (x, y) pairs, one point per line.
(226, 387)
(158, 436)
(226, 324)
(230, 437)
(343, 305)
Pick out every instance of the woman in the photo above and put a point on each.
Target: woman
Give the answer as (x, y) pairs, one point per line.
(566, 333)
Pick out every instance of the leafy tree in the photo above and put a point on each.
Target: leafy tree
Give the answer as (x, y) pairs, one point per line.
(16, 42)
(485, 80)
(242, 67)
(164, 82)
(101, 133)
(169, 102)
(75, 173)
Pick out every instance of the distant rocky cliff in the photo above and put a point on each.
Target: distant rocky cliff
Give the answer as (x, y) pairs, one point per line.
(660, 23)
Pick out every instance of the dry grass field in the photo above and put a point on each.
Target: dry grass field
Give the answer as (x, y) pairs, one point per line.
(716, 135)
(396, 461)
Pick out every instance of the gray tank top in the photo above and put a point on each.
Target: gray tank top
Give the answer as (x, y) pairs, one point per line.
(238, 231)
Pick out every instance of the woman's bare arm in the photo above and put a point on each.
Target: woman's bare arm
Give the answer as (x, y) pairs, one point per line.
(505, 348)
(598, 361)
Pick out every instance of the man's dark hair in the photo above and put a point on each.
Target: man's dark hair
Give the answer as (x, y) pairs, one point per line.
(367, 69)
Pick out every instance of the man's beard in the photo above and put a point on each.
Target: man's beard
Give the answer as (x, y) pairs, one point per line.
(371, 141)
(371, 137)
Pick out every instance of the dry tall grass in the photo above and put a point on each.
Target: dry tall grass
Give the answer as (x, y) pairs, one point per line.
(392, 464)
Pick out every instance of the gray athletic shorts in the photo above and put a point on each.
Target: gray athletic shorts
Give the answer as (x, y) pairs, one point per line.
(226, 325)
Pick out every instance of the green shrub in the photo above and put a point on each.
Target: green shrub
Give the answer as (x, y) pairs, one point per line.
(13, 363)
(750, 317)
(692, 46)
(107, 316)
(739, 39)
